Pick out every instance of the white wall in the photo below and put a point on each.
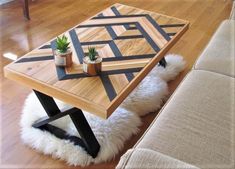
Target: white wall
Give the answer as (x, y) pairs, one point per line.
(4, 1)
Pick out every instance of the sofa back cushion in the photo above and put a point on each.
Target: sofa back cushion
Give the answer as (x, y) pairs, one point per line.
(219, 54)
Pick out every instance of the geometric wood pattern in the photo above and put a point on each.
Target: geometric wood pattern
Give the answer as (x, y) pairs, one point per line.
(131, 42)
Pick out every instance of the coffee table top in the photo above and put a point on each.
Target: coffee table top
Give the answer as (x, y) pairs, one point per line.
(131, 42)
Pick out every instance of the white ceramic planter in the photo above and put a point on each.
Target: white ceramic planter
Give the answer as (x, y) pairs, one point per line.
(63, 59)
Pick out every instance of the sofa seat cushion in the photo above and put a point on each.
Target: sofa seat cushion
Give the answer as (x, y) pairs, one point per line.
(219, 56)
(145, 158)
(197, 124)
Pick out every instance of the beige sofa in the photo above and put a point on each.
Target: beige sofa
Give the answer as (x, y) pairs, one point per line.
(195, 128)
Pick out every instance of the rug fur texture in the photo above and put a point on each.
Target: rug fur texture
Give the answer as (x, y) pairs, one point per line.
(111, 133)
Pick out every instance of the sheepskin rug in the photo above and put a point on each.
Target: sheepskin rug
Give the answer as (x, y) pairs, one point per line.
(111, 133)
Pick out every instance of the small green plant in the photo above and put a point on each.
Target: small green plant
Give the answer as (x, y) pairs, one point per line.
(62, 44)
(92, 53)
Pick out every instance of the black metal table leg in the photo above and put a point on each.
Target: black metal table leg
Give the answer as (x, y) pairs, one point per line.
(48, 104)
(83, 128)
(163, 62)
(88, 140)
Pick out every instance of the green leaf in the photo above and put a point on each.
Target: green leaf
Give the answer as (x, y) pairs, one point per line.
(62, 44)
(92, 53)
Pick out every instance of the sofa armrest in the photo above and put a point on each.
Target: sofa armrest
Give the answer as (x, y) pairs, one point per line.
(146, 158)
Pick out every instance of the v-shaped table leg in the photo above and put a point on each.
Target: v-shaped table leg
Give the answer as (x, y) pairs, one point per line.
(163, 62)
(88, 140)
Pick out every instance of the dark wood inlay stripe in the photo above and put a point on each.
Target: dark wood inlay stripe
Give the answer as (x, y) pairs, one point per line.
(115, 49)
(132, 28)
(148, 38)
(108, 41)
(95, 43)
(53, 45)
(160, 30)
(60, 70)
(73, 76)
(117, 13)
(111, 32)
(128, 57)
(109, 29)
(111, 93)
(106, 24)
(171, 34)
(61, 74)
(129, 37)
(35, 59)
(64, 76)
(129, 76)
(77, 45)
(120, 71)
(171, 25)
(45, 47)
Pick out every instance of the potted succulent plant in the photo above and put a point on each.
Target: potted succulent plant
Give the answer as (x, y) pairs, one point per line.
(92, 64)
(63, 53)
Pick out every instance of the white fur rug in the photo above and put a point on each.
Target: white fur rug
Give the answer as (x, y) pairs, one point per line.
(111, 133)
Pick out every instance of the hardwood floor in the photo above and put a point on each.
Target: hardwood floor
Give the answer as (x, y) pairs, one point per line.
(50, 18)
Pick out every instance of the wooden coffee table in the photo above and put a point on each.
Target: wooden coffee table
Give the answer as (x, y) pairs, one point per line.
(131, 42)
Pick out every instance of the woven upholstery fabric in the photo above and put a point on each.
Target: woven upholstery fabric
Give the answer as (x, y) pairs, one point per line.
(197, 124)
(219, 55)
(146, 158)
